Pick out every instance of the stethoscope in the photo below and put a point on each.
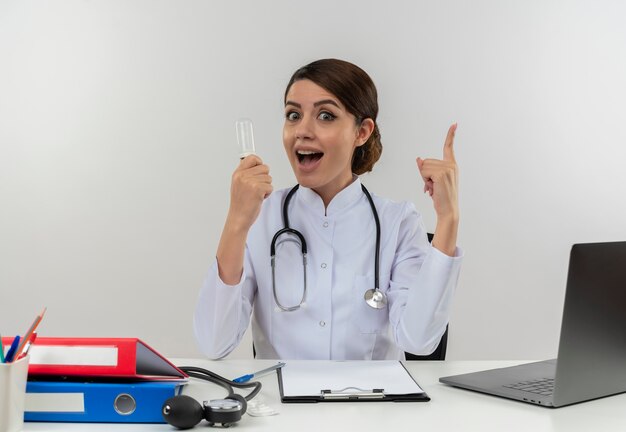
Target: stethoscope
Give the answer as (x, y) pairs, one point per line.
(374, 297)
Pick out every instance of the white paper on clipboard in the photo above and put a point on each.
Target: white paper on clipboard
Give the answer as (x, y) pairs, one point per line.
(310, 378)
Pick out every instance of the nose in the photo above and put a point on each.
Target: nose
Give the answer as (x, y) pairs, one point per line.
(304, 129)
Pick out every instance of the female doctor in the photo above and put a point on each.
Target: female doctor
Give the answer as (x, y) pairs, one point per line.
(353, 276)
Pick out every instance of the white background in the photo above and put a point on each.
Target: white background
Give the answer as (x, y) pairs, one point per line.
(117, 144)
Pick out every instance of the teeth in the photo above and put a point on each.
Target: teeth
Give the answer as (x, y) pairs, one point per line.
(305, 152)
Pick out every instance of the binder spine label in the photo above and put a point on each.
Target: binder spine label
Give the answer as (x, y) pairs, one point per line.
(55, 402)
(73, 355)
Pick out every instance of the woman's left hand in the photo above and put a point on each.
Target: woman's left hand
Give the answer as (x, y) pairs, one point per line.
(441, 182)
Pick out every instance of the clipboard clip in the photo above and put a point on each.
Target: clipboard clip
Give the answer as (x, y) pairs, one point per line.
(352, 393)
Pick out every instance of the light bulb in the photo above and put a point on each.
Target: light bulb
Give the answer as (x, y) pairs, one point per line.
(245, 137)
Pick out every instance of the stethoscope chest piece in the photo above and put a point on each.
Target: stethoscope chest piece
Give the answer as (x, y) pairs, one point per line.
(375, 298)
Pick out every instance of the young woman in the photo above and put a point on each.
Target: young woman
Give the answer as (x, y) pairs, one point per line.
(367, 285)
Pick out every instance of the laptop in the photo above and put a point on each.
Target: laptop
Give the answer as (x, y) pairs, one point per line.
(591, 360)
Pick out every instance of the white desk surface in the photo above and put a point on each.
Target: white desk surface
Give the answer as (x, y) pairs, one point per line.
(451, 409)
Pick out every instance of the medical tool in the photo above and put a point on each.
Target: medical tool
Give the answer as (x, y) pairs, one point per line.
(248, 377)
(374, 297)
(245, 137)
(185, 412)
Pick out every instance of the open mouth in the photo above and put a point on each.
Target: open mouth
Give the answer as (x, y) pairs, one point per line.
(308, 158)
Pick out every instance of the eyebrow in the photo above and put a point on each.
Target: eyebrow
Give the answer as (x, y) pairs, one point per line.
(316, 104)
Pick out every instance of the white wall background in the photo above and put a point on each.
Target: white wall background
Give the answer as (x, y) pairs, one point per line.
(117, 143)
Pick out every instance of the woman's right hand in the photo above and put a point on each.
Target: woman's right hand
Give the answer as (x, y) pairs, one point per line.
(251, 183)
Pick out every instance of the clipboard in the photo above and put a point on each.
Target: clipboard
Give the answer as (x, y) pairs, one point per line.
(348, 381)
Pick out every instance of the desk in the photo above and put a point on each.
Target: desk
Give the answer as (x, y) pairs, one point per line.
(450, 409)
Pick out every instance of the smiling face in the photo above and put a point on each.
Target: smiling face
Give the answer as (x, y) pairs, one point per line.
(320, 136)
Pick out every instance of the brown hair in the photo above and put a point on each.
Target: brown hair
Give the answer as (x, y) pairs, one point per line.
(356, 91)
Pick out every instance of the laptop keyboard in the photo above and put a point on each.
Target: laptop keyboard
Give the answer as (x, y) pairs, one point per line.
(544, 386)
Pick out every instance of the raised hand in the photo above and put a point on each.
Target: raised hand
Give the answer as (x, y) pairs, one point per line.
(251, 184)
(440, 178)
(441, 182)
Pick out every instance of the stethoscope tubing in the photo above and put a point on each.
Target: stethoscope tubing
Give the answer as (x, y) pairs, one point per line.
(377, 221)
(288, 230)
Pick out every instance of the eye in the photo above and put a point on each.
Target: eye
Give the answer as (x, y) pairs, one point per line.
(326, 116)
(292, 116)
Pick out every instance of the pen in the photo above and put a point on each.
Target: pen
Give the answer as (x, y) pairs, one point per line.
(246, 378)
(1, 350)
(30, 343)
(11, 352)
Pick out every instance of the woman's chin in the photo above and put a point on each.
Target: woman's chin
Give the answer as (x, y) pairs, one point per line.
(306, 180)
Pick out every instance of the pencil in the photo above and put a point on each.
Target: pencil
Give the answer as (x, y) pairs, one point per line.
(29, 333)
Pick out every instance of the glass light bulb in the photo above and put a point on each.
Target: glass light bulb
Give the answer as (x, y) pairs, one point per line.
(245, 137)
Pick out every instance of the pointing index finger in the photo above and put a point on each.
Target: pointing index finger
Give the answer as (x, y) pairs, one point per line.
(448, 147)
